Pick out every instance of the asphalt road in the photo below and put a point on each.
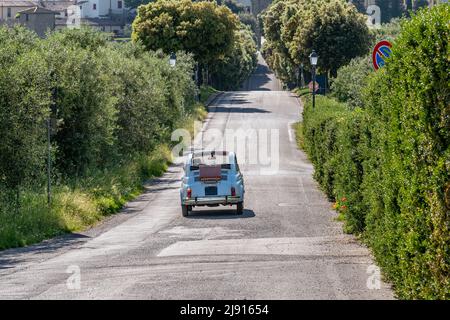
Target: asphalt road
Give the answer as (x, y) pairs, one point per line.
(287, 245)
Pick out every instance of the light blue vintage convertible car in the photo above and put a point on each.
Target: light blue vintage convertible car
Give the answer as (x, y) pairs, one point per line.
(211, 178)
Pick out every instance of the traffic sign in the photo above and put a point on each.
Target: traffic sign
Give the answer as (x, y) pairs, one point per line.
(381, 52)
(310, 85)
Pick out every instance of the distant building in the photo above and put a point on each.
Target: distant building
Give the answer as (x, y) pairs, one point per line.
(41, 15)
(27, 13)
(38, 19)
(10, 8)
(103, 15)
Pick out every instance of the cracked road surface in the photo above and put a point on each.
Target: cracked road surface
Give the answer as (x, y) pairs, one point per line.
(286, 245)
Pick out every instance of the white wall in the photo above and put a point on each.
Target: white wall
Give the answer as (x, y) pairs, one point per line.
(105, 5)
(88, 11)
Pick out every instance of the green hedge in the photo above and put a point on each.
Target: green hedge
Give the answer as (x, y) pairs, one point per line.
(335, 140)
(387, 165)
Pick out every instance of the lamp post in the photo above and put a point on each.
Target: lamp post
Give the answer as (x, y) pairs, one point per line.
(313, 59)
(173, 59)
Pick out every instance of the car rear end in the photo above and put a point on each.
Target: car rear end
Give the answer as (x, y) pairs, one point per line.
(212, 181)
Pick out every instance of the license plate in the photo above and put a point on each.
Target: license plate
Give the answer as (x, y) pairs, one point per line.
(211, 191)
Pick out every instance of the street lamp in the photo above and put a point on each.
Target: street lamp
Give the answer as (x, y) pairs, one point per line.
(173, 59)
(313, 57)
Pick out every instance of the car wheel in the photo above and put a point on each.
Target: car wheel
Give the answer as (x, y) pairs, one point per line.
(240, 208)
(184, 211)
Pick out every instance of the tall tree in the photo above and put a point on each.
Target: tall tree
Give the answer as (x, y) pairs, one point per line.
(204, 28)
(293, 28)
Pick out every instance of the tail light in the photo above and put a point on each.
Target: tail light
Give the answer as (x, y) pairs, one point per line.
(189, 193)
(233, 192)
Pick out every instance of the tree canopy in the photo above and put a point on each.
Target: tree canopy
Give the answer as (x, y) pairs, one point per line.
(294, 28)
(204, 29)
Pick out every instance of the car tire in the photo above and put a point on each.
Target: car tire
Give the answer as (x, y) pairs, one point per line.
(240, 208)
(185, 211)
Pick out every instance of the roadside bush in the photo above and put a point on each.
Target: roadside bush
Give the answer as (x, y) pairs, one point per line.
(387, 165)
(112, 108)
(231, 72)
(408, 223)
(24, 105)
(351, 80)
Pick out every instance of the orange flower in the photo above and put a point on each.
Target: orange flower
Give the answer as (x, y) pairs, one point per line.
(344, 199)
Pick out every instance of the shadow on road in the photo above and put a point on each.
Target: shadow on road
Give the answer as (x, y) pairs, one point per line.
(262, 79)
(10, 257)
(240, 110)
(214, 214)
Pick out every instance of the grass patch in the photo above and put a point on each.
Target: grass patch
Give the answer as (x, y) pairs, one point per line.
(298, 128)
(302, 91)
(78, 205)
(206, 92)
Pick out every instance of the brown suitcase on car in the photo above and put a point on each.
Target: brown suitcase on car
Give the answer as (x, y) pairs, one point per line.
(208, 173)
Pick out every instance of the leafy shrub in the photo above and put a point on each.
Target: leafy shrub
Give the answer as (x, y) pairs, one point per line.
(351, 80)
(391, 160)
(408, 101)
(24, 105)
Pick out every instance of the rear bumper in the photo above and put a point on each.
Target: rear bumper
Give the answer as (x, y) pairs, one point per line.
(211, 200)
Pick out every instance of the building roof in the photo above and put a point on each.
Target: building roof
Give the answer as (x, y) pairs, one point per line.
(37, 10)
(59, 5)
(18, 3)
